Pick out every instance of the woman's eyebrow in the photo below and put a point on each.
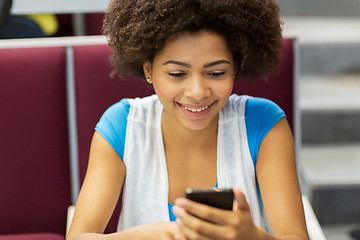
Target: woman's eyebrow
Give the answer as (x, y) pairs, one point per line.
(177, 63)
(216, 63)
(183, 64)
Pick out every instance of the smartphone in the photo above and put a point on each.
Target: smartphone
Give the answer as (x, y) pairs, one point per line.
(219, 198)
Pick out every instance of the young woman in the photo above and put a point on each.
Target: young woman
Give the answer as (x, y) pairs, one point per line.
(193, 133)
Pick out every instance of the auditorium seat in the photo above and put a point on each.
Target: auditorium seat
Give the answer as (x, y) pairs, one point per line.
(95, 92)
(34, 173)
(279, 87)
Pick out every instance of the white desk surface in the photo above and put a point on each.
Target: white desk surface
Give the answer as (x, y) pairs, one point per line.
(58, 6)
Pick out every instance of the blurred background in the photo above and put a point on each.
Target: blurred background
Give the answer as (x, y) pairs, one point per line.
(329, 101)
(328, 79)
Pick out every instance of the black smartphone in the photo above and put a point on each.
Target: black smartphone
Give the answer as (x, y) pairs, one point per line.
(219, 198)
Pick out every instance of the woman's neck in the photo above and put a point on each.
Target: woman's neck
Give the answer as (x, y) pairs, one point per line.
(176, 135)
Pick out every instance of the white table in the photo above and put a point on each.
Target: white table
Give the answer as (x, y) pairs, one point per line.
(75, 7)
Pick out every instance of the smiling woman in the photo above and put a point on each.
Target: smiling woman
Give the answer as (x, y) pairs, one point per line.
(193, 133)
(193, 78)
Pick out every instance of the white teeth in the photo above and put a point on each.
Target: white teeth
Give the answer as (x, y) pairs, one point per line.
(195, 110)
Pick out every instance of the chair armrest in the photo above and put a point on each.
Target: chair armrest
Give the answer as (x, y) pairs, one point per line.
(70, 215)
(313, 226)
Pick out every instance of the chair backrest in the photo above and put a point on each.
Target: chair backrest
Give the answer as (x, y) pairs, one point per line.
(34, 172)
(96, 91)
(280, 86)
(94, 22)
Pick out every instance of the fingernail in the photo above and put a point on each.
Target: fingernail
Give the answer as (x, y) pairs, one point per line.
(178, 221)
(180, 202)
(175, 210)
(179, 237)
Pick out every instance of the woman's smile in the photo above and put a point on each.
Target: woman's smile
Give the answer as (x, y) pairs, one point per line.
(196, 111)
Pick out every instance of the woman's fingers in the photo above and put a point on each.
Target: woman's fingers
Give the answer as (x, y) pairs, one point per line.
(202, 211)
(190, 233)
(199, 221)
(240, 200)
(196, 228)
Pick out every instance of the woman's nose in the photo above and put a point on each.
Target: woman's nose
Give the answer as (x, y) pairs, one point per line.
(197, 88)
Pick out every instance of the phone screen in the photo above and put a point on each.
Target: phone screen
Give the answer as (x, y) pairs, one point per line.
(222, 198)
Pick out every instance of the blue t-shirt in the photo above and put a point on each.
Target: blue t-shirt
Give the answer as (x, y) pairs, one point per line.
(260, 116)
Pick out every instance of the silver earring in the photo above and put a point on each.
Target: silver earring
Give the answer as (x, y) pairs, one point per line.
(148, 80)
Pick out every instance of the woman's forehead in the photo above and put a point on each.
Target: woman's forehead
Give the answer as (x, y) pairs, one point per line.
(199, 45)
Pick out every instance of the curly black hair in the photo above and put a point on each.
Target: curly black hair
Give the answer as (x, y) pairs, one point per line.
(138, 29)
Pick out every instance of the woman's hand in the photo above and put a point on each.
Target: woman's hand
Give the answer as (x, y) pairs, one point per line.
(200, 222)
(155, 231)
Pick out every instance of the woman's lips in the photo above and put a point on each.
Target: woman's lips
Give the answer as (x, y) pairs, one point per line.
(195, 111)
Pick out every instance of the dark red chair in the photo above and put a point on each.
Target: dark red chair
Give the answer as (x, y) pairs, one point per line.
(34, 173)
(95, 92)
(280, 86)
(94, 22)
(32, 236)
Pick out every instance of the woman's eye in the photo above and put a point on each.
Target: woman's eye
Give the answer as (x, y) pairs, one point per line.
(176, 75)
(216, 74)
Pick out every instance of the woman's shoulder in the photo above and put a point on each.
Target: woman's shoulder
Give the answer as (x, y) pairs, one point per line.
(123, 107)
(118, 108)
(258, 105)
(248, 105)
(114, 118)
(112, 125)
(261, 115)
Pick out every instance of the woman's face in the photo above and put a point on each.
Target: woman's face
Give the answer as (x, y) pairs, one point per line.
(193, 77)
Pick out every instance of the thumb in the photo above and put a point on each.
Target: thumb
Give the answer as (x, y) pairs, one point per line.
(240, 200)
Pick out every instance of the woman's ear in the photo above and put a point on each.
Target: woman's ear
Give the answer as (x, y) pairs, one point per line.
(147, 70)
